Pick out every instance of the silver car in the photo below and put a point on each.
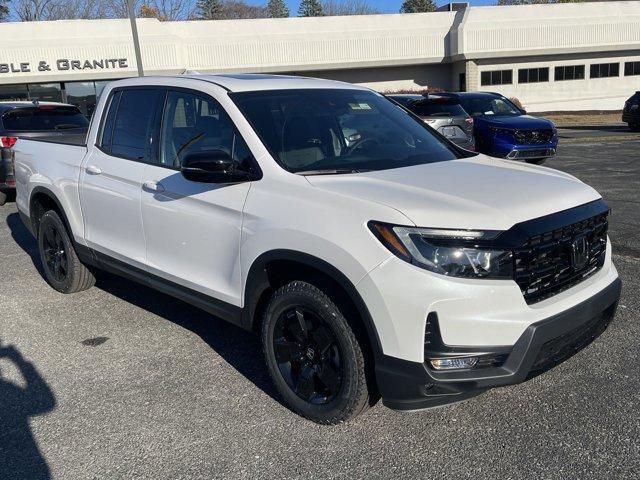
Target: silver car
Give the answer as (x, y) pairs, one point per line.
(443, 114)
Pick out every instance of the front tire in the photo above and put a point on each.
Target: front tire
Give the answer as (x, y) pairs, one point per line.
(313, 355)
(63, 270)
(535, 161)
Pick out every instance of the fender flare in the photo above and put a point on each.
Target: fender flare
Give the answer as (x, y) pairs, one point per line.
(257, 282)
(52, 196)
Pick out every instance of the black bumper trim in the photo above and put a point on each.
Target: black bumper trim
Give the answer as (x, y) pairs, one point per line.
(406, 385)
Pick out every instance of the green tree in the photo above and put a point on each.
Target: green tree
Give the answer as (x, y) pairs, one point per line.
(208, 9)
(417, 6)
(277, 9)
(310, 8)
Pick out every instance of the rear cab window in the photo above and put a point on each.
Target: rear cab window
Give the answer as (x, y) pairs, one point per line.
(44, 118)
(129, 123)
(438, 109)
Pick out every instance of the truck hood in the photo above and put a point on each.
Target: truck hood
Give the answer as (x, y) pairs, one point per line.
(520, 121)
(473, 193)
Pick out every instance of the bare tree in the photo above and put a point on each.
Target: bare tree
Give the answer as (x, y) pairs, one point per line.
(347, 7)
(4, 10)
(32, 10)
(171, 10)
(72, 9)
(120, 8)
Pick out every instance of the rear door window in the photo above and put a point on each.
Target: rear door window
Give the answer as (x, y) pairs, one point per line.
(134, 123)
(44, 118)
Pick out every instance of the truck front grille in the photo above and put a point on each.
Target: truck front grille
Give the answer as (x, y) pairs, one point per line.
(528, 137)
(554, 261)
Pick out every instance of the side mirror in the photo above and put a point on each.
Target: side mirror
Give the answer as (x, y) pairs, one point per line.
(211, 166)
(523, 111)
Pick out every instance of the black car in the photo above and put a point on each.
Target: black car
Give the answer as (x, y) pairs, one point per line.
(631, 112)
(29, 120)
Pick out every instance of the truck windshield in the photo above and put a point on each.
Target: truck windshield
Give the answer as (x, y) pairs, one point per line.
(323, 131)
(43, 118)
(487, 106)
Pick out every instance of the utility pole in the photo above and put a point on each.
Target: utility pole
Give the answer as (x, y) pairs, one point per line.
(136, 40)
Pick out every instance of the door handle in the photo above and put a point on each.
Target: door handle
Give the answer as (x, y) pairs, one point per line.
(93, 170)
(152, 186)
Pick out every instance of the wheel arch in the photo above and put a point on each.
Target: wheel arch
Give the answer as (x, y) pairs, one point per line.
(41, 200)
(274, 268)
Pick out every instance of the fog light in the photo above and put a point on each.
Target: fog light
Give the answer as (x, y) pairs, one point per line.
(453, 363)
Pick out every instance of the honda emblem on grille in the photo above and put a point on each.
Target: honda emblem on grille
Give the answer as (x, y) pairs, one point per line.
(579, 252)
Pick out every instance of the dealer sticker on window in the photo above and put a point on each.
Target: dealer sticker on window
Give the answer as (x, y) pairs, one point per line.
(359, 106)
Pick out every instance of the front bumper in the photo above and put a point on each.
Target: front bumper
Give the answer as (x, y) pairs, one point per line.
(631, 117)
(507, 148)
(531, 153)
(406, 385)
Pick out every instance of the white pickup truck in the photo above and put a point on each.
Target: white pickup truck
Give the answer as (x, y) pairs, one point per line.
(375, 258)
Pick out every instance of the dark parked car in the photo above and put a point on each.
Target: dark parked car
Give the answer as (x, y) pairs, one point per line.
(443, 114)
(502, 129)
(30, 120)
(631, 112)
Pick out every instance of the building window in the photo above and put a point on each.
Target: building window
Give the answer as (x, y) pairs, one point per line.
(82, 95)
(603, 70)
(46, 92)
(631, 68)
(14, 92)
(497, 77)
(533, 75)
(569, 72)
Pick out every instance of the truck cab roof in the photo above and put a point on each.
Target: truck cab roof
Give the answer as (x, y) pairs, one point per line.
(247, 82)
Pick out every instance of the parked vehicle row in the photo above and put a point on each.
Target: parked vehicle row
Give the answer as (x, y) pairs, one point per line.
(375, 257)
(33, 120)
(486, 122)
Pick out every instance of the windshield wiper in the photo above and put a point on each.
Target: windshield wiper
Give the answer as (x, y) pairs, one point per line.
(337, 171)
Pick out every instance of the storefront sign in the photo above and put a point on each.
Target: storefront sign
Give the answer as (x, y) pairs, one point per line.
(64, 64)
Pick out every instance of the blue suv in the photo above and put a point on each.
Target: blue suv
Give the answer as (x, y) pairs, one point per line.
(501, 129)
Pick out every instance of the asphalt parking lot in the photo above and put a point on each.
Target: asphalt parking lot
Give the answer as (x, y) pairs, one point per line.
(129, 383)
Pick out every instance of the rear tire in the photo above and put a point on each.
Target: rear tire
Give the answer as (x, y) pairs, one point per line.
(313, 355)
(63, 270)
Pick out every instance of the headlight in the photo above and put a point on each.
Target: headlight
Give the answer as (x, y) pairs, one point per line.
(455, 253)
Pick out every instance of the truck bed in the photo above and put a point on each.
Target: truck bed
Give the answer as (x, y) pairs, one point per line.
(63, 137)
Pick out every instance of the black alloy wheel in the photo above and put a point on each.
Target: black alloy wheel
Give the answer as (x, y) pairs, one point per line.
(55, 255)
(314, 357)
(63, 270)
(308, 355)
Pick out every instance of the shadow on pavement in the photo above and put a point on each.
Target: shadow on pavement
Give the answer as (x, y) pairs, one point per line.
(20, 457)
(239, 348)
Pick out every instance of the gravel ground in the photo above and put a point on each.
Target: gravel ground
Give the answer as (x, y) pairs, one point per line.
(129, 383)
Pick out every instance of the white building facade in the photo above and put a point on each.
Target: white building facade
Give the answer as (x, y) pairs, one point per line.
(560, 57)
